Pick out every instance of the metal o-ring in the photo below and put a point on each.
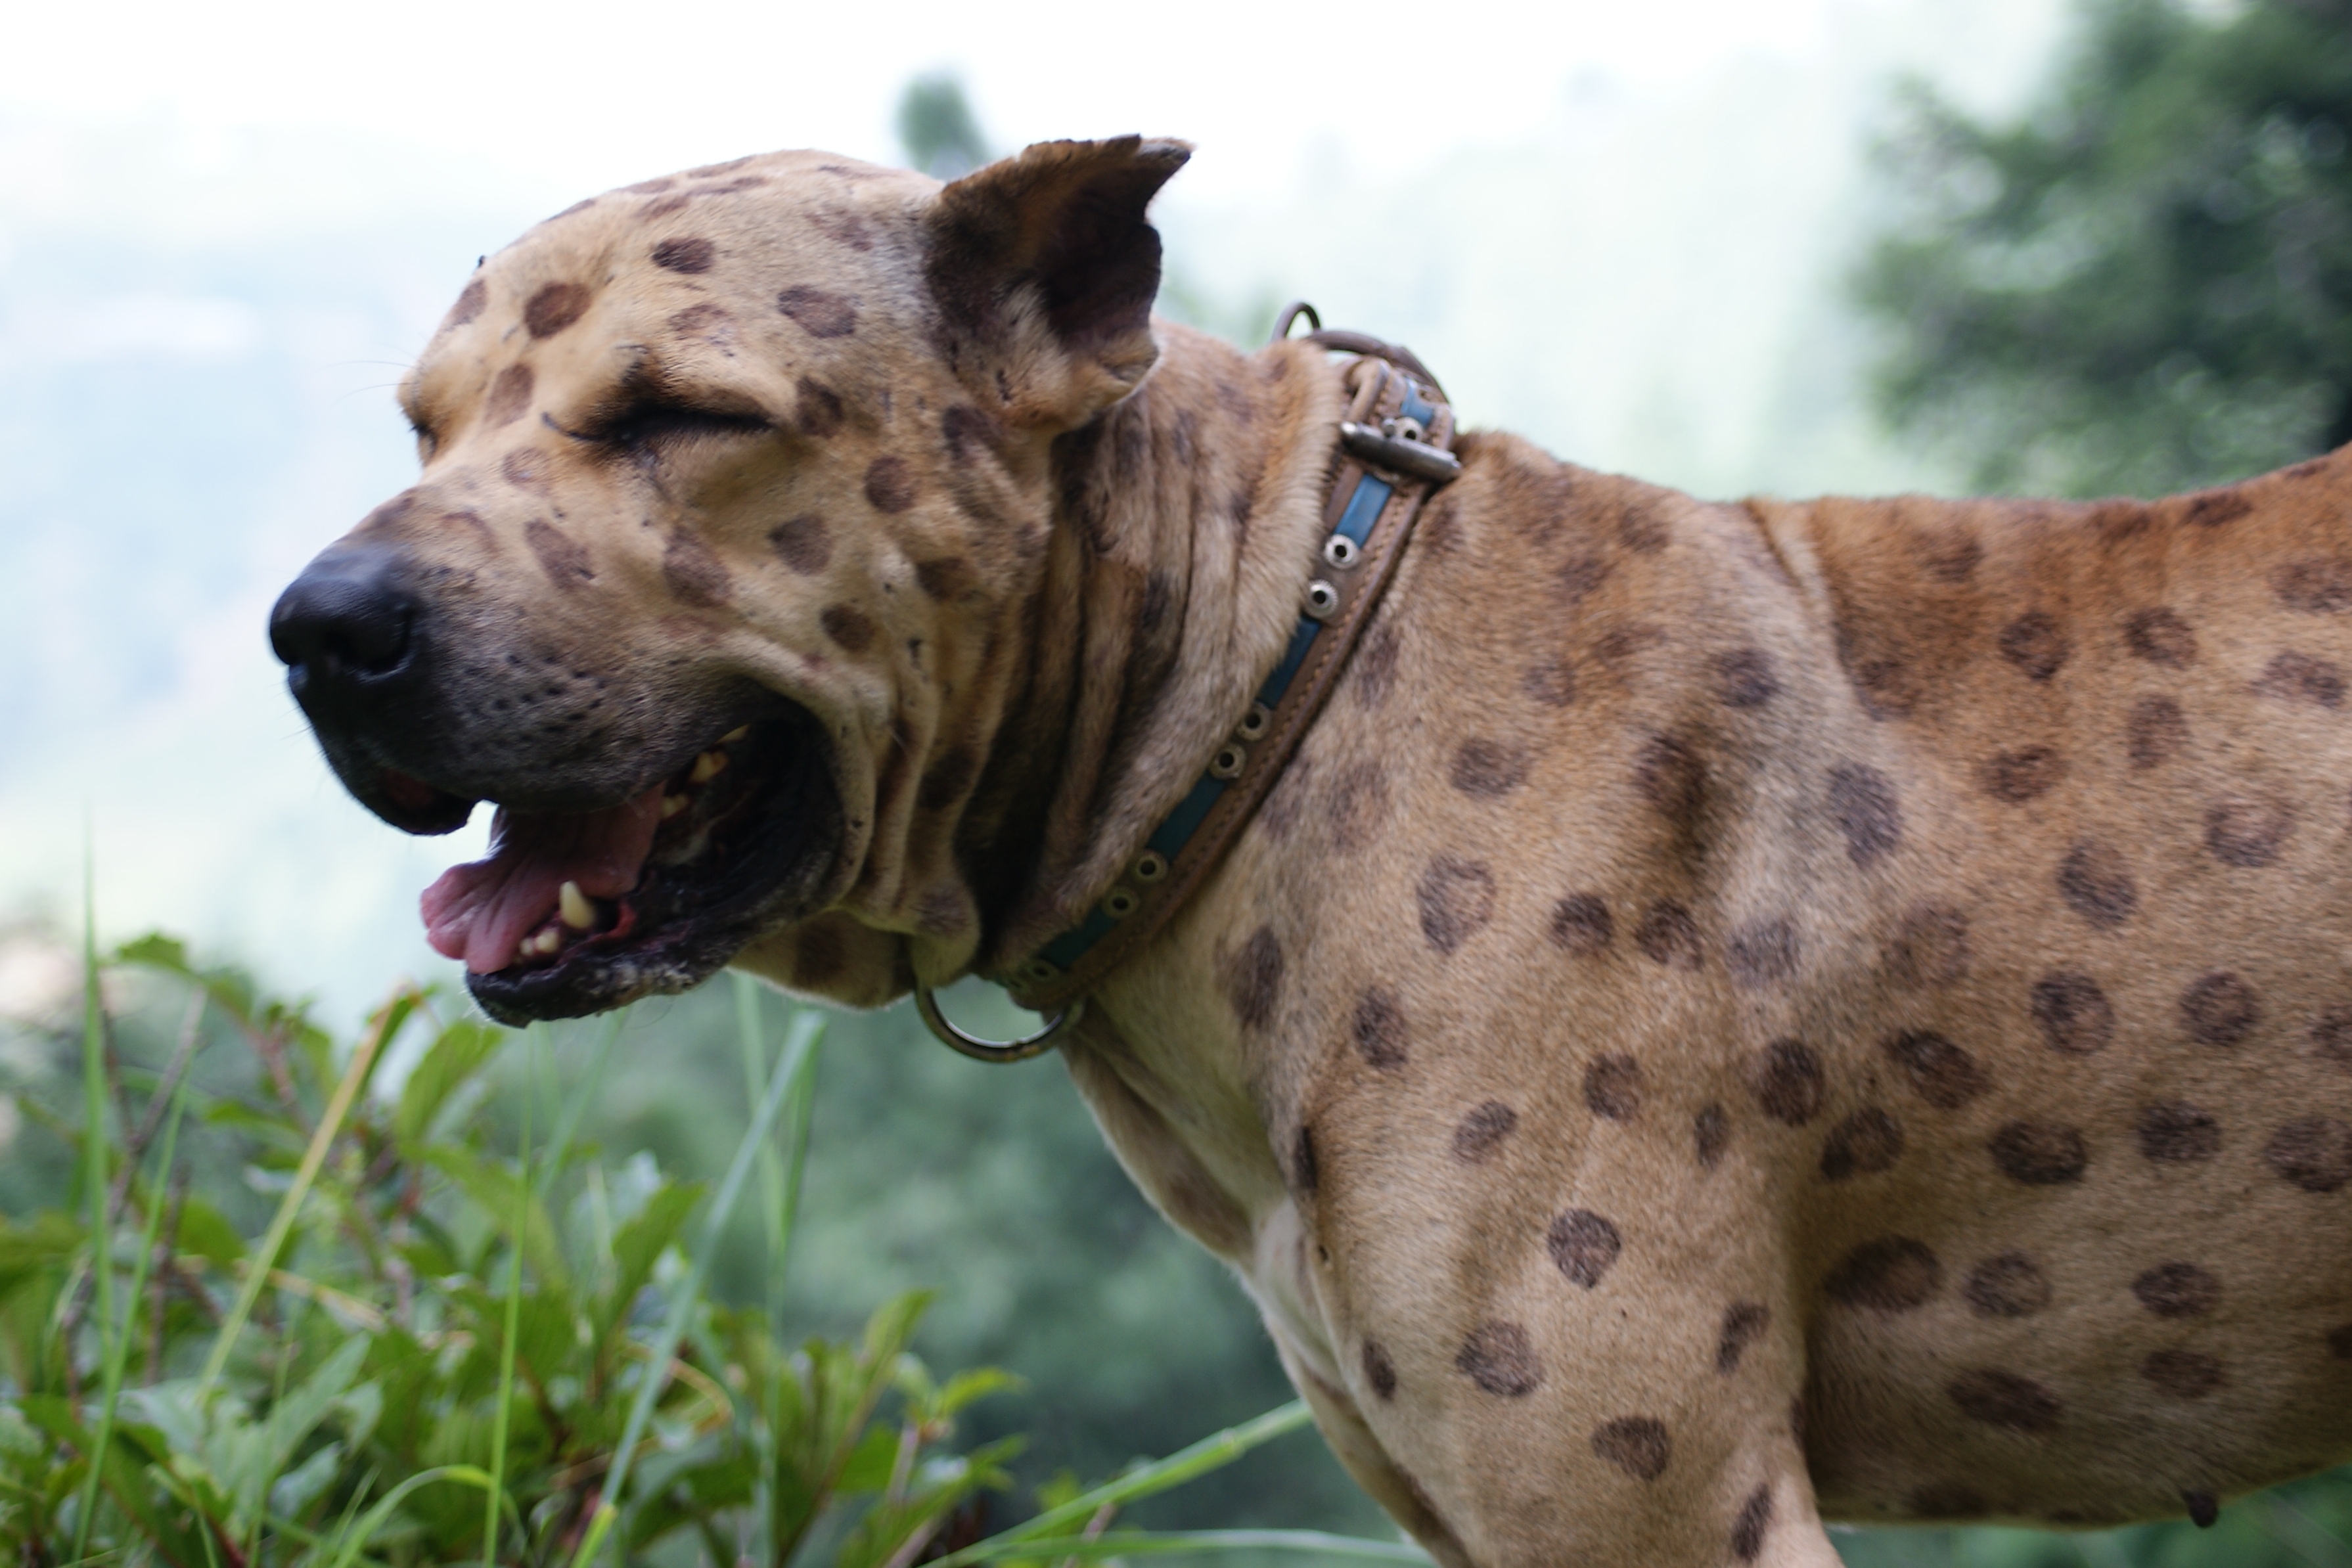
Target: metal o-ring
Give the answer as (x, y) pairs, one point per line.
(1150, 866)
(999, 1051)
(1322, 600)
(1229, 761)
(1342, 552)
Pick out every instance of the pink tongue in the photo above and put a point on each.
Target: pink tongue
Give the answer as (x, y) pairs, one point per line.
(480, 911)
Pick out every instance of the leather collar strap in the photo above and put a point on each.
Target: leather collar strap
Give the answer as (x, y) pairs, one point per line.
(1395, 447)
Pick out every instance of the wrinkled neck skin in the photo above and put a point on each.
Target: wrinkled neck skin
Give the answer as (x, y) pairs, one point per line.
(1179, 528)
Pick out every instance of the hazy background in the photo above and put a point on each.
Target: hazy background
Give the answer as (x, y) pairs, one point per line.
(1631, 233)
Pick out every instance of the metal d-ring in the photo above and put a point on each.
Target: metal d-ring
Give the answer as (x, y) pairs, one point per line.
(980, 1049)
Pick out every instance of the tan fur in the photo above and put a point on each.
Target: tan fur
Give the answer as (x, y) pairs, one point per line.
(1735, 1014)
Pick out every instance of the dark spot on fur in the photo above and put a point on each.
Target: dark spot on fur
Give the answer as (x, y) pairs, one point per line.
(946, 779)
(1380, 1372)
(2247, 833)
(2331, 1038)
(1744, 1323)
(2172, 1133)
(2007, 1285)
(1303, 1171)
(2036, 645)
(1584, 1245)
(1950, 557)
(967, 430)
(1710, 1134)
(1864, 1144)
(1581, 925)
(2212, 508)
(2018, 776)
(2181, 1374)
(2298, 677)
(1624, 641)
(2156, 732)
(1376, 665)
(2314, 1153)
(2321, 585)
(2339, 1343)
(1613, 1088)
(1762, 952)
(520, 468)
(945, 577)
(816, 409)
(1744, 677)
(889, 484)
(2219, 1009)
(564, 560)
(708, 321)
(1637, 1444)
(1641, 530)
(1457, 897)
(1786, 1079)
(1930, 949)
(1668, 936)
(2178, 1291)
(1581, 576)
(1938, 1071)
(470, 301)
(2039, 1154)
(822, 314)
(2004, 1399)
(509, 397)
(1358, 807)
(1489, 769)
(802, 543)
(1893, 1274)
(694, 571)
(555, 307)
(1380, 1029)
(852, 628)
(1253, 977)
(1754, 1519)
(1501, 1359)
(1862, 804)
(1551, 683)
(1673, 778)
(1481, 1132)
(2074, 1013)
(685, 255)
(2161, 637)
(2098, 886)
(391, 512)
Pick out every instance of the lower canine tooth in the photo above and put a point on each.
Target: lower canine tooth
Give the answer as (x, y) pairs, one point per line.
(672, 805)
(732, 735)
(706, 767)
(577, 911)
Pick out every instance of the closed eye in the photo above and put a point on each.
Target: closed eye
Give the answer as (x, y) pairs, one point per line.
(651, 425)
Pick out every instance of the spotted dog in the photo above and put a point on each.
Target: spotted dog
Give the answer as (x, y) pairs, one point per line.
(1736, 1015)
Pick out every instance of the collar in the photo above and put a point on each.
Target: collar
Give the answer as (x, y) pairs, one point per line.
(1394, 451)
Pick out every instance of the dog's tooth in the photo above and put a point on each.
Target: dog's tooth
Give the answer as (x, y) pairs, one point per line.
(706, 767)
(548, 941)
(673, 804)
(732, 735)
(573, 904)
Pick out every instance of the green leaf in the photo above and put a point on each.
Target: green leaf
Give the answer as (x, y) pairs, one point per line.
(638, 1245)
(869, 1464)
(463, 1050)
(203, 1233)
(28, 1249)
(499, 1193)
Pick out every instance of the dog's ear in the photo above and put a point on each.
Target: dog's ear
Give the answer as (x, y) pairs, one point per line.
(1045, 271)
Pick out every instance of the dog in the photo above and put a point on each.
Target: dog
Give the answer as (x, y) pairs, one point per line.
(1735, 1015)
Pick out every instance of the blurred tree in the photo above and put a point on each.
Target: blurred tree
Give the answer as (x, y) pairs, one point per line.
(2145, 284)
(938, 129)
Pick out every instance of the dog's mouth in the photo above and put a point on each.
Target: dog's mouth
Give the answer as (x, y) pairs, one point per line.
(576, 912)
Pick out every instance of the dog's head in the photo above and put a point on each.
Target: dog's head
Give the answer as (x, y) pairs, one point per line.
(735, 486)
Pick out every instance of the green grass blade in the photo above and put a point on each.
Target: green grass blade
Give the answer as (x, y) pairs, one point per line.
(1143, 1543)
(266, 1255)
(1213, 1452)
(771, 1164)
(806, 1031)
(93, 1133)
(513, 1327)
(349, 1550)
(567, 1125)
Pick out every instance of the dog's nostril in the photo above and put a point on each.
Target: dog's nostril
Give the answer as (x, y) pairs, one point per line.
(341, 615)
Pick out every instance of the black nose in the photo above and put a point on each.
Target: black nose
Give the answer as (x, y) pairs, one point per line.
(346, 617)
